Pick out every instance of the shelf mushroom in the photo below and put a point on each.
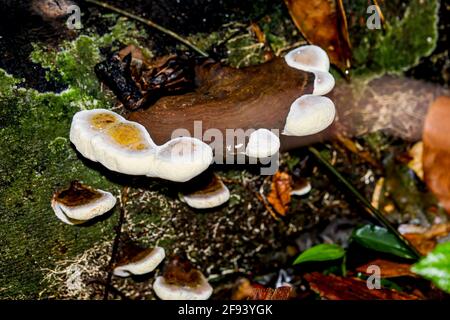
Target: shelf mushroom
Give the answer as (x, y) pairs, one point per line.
(262, 143)
(213, 195)
(309, 115)
(144, 262)
(126, 147)
(181, 281)
(313, 59)
(80, 203)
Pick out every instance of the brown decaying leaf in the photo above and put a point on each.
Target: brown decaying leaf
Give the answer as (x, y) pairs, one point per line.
(248, 291)
(323, 23)
(351, 146)
(388, 269)
(333, 287)
(436, 150)
(280, 192)
(425, 242)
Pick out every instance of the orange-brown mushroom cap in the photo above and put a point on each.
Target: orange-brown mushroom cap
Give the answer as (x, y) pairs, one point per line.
(436, 152)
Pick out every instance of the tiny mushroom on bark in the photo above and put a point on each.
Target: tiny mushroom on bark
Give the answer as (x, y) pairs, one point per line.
(301, 187)
(144, 262)
(262, 143)
(308, 115)
(181, 281)
(213, 195)
(80, 203)
(126, 147)
(313, 59)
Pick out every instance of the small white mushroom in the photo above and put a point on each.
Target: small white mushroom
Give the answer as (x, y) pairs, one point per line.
(262, 143)
(80, 203)
(301, 187)
(126, 147)
(308, 58)
(323, 83)
(181, 159)
(213, 195)
(182, 282)
(144, 262)
(308, 115)
(313, 59)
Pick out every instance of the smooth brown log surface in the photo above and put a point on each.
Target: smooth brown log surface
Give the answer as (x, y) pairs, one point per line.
(228, 98)
(260, 97)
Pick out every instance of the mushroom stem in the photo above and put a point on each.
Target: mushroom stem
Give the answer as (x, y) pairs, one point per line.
(260, 97)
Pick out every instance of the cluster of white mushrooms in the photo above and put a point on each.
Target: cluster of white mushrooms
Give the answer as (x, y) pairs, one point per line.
(126, 147)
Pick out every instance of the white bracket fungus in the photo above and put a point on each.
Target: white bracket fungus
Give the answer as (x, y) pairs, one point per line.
(262, 143)
(145, 262)
(308, 115)
(126, 147)
(213, 195)
(80, 203)
(313, 59)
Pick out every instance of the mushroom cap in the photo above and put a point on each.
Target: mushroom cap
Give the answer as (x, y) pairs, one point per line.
(436, 150)
(118, 144)
(323, 83)
(167, 291)
(308, 58)
(143, 263)
(182, 158)
(80, 203)
(213, 195)
(301, 188)
(262, 143)
(126, 147)
(308, 115)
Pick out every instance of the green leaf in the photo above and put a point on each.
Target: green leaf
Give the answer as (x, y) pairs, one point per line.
(436, 266)
(380, 239)
(321, 252)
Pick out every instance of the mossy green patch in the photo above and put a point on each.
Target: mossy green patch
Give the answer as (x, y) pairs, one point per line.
(37, 159)
(404, 41)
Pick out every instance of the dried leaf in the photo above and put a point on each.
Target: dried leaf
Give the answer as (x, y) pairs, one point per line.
(332, 287)
(436, 150)
(415, 163)
(323, 23)
(357, 149)
(280, 193)
(388, 269)
(426, 241)
(252, 291)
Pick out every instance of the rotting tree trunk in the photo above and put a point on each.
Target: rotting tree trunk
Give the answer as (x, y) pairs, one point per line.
(260, 97)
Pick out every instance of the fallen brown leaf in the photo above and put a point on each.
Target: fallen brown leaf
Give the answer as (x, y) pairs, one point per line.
(280, 192)
(436, 150)
(388, 269)
(426, 241)
(333, 287)
(351, 146)
(248, 291)
(323, 23)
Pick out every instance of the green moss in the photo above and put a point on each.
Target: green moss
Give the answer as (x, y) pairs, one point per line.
(405, 40)
(37, 159)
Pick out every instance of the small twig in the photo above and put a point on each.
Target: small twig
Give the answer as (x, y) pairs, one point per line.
(115, 247)
(372, 210)
(150, 24)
